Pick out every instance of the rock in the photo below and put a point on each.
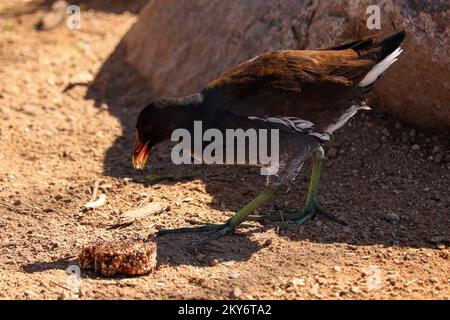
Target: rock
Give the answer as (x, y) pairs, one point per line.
(53, 17)
(337, 268)
(435, 196)
(314, 292)
(440, 246)
(234, 275)
(415, 147)
(436, 149)
(332, 153)
(355, 290)
(83, 77)
(236, 293)
(297, 282)
(30, 294)
(179, 46)
(109, 258)
(438, 158)
(214, 262)
(392, 218)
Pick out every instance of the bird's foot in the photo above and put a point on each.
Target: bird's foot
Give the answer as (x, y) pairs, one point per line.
(298, 218)
(218, 230)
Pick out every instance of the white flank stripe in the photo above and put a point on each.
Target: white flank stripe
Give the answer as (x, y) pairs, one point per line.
(380, 67)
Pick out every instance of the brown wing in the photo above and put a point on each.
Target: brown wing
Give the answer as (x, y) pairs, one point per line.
(290, 82)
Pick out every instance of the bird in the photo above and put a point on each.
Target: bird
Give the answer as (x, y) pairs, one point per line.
(306, 94)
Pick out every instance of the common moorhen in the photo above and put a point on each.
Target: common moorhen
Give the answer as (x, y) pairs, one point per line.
(306, 94)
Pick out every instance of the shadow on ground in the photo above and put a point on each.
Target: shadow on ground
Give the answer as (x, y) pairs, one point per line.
(374, 175)
(60, 264)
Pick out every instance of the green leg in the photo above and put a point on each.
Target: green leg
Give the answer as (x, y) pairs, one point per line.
(233, 222)
(311, 205)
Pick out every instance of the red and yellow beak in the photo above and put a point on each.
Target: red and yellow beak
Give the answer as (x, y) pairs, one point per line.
(140, 154)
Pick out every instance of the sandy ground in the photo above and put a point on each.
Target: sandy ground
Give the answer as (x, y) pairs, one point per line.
(389, 180)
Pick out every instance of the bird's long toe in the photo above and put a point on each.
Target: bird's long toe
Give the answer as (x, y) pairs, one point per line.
(332, 216)
(205, 228)
(225, 229)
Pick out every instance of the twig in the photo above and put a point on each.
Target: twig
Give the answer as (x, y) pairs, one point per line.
(95, 190)
(154, 224)
(60, 285)
(97, 203)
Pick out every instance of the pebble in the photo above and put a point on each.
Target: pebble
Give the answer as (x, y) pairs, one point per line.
(438, 158)
(440, 246)
(321, 281)
(436, 149)
(228, 263)
(337, 268)
(214, 262)
(314, 292)
(300, 282)
(234, 275)
(435, 196)
(17, 203)
(415, 147)
(236, 293)
(355, 290)
(392, 218)
(332, 153)
(29, 294)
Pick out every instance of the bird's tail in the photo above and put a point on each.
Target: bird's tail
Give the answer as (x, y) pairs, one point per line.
(385, 53)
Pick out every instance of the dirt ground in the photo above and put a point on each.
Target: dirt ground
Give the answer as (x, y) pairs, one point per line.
(389, 180)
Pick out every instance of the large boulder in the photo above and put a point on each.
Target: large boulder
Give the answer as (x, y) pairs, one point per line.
(179, 46)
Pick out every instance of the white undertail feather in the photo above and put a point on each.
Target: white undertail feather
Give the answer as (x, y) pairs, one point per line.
(380, 67)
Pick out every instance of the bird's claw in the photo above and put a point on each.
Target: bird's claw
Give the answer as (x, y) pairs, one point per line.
(218, 230)
(225, 229)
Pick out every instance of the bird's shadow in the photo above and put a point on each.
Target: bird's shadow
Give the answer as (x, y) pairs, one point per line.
(347, 184)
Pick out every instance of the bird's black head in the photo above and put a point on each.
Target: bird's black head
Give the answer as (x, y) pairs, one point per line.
(158, 120)
(149, 132)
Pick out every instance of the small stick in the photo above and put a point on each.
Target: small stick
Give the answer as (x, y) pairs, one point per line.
(95, 189)
(60, 285)
(154, 224)
(97, 203)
